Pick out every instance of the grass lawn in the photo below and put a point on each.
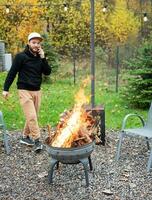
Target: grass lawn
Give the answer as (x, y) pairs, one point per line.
(58, 96)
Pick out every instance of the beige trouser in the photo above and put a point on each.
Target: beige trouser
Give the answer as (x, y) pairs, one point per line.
(30, 102)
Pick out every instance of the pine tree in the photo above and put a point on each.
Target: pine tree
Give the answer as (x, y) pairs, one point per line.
(138, 92)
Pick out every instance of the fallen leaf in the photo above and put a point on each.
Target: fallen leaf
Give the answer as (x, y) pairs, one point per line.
(126, 175)
(43, 174)
(124, 179)
(132, 185)
(107, 192)
(117, 198)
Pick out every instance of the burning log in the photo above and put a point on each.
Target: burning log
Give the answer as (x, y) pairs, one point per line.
(82, 136)
(75, 127)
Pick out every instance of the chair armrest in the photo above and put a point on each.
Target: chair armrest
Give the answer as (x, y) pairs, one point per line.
(130, 115)
(1, 118)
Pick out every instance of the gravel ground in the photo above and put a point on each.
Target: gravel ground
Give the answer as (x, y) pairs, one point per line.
(23, 173)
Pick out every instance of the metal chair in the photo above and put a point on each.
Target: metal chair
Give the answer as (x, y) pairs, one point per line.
(4, 132)
(145, 131)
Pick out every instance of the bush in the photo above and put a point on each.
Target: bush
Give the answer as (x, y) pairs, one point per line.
(138, 91)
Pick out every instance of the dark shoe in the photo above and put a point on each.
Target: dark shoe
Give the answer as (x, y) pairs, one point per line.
(27, 140)
(38, 146)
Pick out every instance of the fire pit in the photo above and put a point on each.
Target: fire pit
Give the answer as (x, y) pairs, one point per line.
(71, 156)
(73, 140)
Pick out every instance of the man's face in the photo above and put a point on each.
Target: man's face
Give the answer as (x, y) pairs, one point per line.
(34, 44)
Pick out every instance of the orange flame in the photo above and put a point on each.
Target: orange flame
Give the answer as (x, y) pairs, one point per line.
(76, 120)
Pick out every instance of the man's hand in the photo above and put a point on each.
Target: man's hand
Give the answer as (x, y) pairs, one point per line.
(41, 53)
(5, 94)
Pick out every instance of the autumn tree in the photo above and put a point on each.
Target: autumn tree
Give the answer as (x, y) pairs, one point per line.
(23, 17)
(70, 29)
(123, 27)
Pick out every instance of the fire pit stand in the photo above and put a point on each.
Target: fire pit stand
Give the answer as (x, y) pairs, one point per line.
(75, 155)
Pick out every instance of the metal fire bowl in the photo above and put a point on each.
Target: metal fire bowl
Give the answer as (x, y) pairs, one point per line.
(71, 155)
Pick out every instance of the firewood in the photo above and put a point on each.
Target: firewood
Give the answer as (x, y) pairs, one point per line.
(84, 135)
(49, 130)
(74, 144)
(79, 139)
(97, 140)
(81, 143)
(48, 140)
(87, 139)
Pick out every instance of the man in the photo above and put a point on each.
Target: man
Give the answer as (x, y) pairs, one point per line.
(29, 65)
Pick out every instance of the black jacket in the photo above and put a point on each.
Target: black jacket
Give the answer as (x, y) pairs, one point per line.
(29, 69)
